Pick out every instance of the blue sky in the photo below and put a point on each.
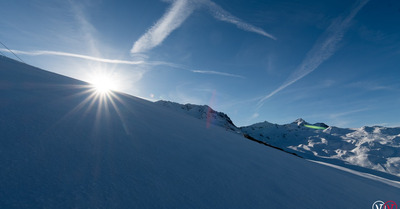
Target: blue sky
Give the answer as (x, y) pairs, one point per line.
(324, 61)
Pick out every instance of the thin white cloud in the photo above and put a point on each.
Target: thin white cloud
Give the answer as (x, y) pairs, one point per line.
(191, 70)
(254, 116)
(371, 85)
(179, 11)
(117, 61)
(81, 56)
(342, 114)
(322, 50)
(175, 16)
(86, 28)
(217, 73)
(221, 14)
(250, 119)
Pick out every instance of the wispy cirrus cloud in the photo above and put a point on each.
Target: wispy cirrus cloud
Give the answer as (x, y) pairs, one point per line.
(179, 11)
(172, 19)
(81, 56)
(86, 28)
(217, 73)
(211, 72)
(342, 114)
(221, 14)
(371, 85)
(323, 49)
(118, 61)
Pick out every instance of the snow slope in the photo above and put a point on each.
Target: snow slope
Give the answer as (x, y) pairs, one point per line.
(60, 148)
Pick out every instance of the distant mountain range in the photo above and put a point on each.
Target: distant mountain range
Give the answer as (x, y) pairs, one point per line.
(373, 149)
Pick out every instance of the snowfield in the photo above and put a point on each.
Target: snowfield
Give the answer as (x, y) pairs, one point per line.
(62, 148)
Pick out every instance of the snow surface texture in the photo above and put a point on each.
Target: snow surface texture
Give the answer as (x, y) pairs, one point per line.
(59, 148)
(367, 149)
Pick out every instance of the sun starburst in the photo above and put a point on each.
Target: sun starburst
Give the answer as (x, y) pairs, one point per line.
(103, 84)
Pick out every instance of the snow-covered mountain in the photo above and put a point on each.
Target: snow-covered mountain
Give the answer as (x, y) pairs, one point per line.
(376, 148)
(64, 146)
(202, 112)
(368, 149)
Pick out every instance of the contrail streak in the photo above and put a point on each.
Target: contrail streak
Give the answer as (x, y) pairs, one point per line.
(322, 50)
(175, 16)
(116, 61)
(179, 11)
(217, 73)
(193, 71)
(220, 14)
(86, 57)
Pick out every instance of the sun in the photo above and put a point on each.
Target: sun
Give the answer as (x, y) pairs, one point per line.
(103, 84)
(102, 92)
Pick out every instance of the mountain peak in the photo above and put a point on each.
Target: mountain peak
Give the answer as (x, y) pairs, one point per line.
(299, 121)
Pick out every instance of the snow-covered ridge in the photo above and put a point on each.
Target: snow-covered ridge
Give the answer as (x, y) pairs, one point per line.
(202, 112)
(374, 148)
